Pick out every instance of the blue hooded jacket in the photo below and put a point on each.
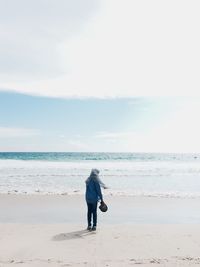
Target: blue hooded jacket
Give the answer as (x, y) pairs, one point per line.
(93, 189)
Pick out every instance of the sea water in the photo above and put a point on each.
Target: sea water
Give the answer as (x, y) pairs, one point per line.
(131, 174)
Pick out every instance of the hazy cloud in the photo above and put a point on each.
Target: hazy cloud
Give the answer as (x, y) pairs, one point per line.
(9, 132)
(105, 48)
(77, 145)
(31, 33)
(113, 135)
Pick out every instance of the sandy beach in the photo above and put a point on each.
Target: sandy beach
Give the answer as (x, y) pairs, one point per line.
(50, 231)
(118, 245)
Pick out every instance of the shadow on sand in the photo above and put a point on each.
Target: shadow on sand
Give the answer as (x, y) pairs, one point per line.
(72, 235)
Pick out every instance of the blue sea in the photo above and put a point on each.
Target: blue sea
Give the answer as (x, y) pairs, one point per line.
(131, 174)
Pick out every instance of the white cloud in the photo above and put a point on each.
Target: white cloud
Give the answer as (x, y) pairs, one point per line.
(31, 34)
(9, 132)
(77, 145)
(113, 135)
(128, 48)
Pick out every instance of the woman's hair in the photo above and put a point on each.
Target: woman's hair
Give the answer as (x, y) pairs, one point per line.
(94, 175)
(94, 172)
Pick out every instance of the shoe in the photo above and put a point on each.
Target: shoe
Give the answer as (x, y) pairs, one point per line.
(94, 228)
(89, 228)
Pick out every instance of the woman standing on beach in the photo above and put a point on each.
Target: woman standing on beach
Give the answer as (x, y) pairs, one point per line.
(93, 195)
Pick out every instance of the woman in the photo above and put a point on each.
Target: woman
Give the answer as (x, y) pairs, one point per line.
(93, 195)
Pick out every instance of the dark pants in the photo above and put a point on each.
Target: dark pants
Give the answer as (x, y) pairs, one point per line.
(92, 213)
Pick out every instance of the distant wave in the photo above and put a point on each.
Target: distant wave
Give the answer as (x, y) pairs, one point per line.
(94, 156)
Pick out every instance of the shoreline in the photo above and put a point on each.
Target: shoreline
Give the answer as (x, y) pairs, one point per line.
(106, 193)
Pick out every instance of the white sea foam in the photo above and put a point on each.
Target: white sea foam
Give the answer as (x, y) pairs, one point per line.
(134, 178)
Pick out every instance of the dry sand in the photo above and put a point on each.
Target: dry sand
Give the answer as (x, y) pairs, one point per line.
(118, 245)
(32, 243)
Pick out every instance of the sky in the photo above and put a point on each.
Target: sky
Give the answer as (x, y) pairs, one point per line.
(153, 124)
(99, 75)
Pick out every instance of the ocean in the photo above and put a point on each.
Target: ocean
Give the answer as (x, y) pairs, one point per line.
(130, 174)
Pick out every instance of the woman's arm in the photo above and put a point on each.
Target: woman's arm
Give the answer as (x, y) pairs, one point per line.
(102, 184)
